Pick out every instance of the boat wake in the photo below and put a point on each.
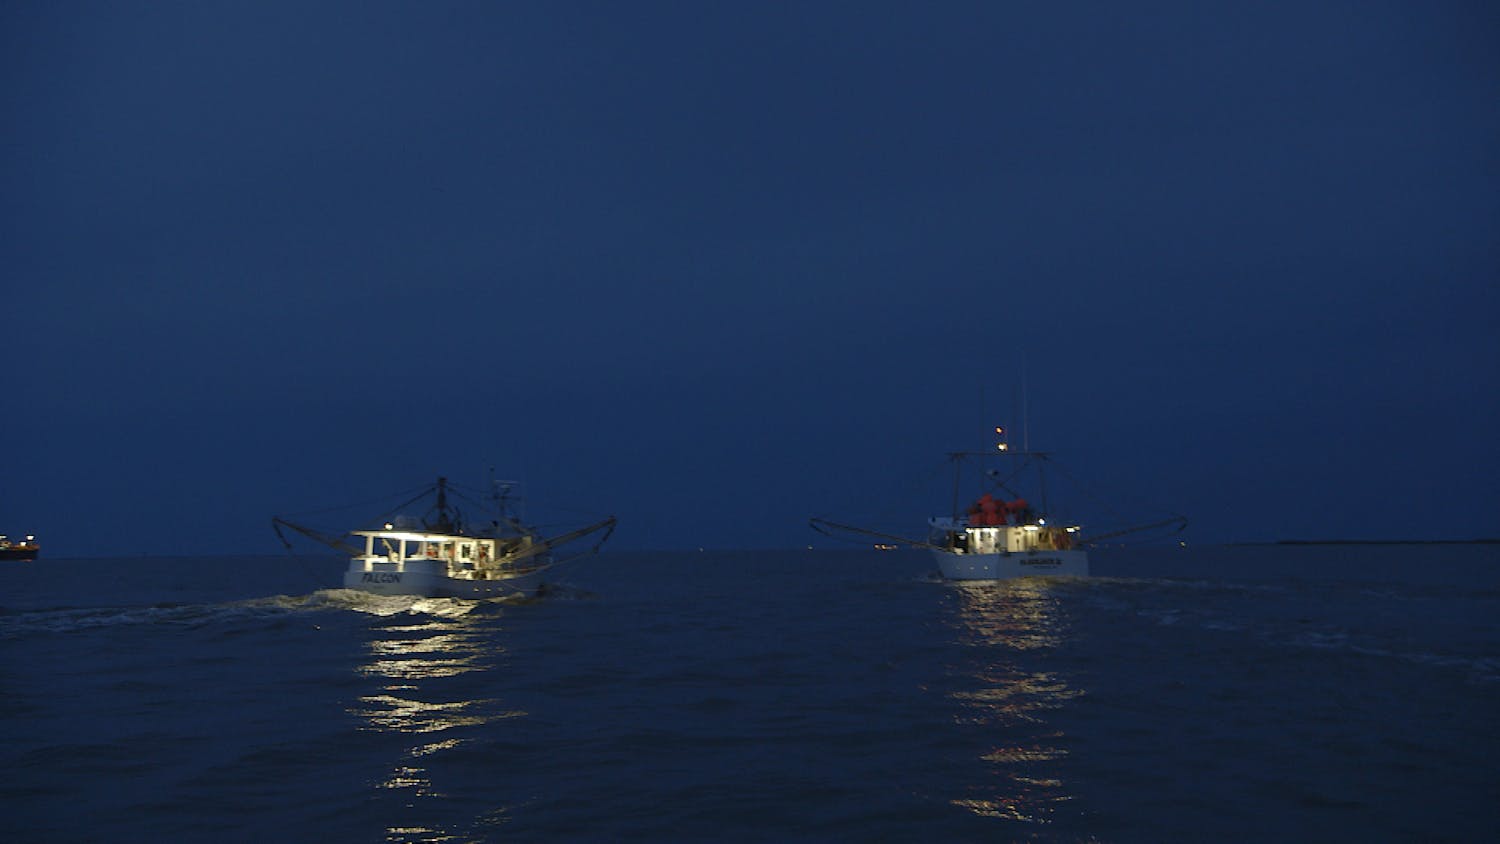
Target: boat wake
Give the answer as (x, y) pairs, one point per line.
(14, 624)
(389, 605)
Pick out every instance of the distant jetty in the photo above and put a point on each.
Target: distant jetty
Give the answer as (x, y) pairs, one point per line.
(1375, 542)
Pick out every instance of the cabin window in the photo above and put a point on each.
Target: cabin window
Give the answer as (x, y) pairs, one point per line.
(466, 551)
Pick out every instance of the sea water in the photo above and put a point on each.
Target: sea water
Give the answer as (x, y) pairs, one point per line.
(1256, 693)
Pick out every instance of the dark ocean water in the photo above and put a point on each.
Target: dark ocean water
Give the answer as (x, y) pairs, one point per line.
(1273, 693)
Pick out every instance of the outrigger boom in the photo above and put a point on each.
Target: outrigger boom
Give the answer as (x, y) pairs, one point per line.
(819, 525)
(1180, 521)
(337, 544)
(549, 544)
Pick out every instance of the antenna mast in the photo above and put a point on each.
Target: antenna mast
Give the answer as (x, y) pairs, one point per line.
(1025, 419)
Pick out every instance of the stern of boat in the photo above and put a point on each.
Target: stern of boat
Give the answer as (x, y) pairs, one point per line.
(1007, 566)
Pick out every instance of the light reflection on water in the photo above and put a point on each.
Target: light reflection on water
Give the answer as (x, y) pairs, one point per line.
(425, 673)
(1006, 627)
(403, 715)
(441, 654)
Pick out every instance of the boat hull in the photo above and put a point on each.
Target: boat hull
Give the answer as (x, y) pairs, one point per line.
(1007, 566)
(24, 554)
(433, 584)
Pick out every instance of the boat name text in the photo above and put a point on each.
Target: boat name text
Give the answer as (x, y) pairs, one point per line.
(1045, 562)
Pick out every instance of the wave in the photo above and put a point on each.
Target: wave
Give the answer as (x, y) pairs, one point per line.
(1332, 618)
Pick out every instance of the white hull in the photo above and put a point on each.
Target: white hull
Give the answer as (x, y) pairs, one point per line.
(1005, 566)
(432, 581)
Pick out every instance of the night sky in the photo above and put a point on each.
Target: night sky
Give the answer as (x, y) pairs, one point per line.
(719, 267)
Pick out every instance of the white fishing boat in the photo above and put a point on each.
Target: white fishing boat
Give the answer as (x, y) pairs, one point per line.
(1001, 535)
(438, 556)
(999, 540)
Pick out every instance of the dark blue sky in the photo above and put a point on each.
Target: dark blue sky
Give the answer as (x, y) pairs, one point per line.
(719, 267)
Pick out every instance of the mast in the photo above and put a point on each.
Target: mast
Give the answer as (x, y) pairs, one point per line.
(508, 511)
(1025, 420)
(1041, 481)
(1001, 447)
(447, 519)
(958, 461)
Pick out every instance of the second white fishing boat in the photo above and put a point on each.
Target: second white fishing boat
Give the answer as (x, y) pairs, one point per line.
(1001, 535)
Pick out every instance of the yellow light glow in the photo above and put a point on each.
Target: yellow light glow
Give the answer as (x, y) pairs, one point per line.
(1003, 447)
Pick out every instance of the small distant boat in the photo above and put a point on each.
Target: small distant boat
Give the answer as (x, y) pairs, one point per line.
(437, 555)
(1001, 535)
(25, 549)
